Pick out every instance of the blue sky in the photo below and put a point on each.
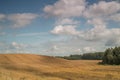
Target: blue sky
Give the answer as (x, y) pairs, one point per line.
(58, 27)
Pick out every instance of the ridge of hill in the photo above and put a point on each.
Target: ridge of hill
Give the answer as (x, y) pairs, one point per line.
(29, 59)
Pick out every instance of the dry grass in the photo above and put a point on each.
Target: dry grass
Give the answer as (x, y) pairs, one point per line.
(35, 67)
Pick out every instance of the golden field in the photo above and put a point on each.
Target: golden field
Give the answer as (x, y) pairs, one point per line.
(36, 67)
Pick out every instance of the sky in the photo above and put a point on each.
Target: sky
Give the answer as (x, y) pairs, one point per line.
(59, 27)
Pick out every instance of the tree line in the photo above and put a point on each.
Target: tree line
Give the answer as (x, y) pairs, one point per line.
(85, 56)
(109, 56)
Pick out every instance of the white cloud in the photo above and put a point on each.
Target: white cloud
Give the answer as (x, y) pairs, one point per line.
(18, 46)
(2, 33)
(2, 17)
(115, 17)
(98, 37)
(113, 39)
(99, 33)
(77, 8)
(21, 20)
(113, 42)
(54, 48)
(66, 21)
(61, 50)
(66, 8)
(88, 49)
(93, 34)
(107, 37)
(78, 51)
(17, 20)
(32, 34)
(13, 47)
(97, 22)
(102, 9)
(64, 30)
(96, 16)
(72, 46)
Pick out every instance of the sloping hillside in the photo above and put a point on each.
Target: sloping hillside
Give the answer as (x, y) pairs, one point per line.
(30, 65)
(36, 62)
(29, 59)
(37, 67)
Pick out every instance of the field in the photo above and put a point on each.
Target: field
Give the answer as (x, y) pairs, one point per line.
(36, 67)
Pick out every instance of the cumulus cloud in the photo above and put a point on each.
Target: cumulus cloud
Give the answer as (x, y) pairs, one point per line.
(113, 39)
(32, 34)
(95, 14)
(54, 48)
(21, 20)
(93, 34)
(113, 42)
(61, 50)
(102, 9)
(79, 8)
(71, 46)
(98, 15)
(2, 33)
(66, 8)
(98, 37)
(97, 22)
(88, 49)
(18, 46)
(115, 17)
(64, 30)
(66, 21)
(99, 34)
(18, 20)
(2, 17)
(13, 47)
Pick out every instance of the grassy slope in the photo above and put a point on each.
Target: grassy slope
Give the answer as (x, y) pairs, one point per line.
(35, 67)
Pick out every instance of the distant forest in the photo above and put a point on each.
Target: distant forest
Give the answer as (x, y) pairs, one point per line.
(110, 56)
(85, 56)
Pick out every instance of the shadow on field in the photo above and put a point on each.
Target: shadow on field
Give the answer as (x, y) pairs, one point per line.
(61, 74)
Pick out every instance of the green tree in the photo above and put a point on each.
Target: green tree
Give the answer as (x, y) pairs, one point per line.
(112, 56)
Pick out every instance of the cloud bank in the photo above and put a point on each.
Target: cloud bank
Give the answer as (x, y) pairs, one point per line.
(98, 15)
